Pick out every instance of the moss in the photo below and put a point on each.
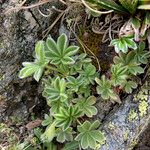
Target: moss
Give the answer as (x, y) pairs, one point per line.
(143, 106)
(142, 94)
(126, 134)
(132, 115)
(142, 98)
(94, 43)
(133, 143)
(2, 77)
(16, 119)
(91, 40)
(111, 126)
(7, 134)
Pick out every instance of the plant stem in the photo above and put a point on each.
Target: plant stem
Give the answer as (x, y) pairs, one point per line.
(79, 121)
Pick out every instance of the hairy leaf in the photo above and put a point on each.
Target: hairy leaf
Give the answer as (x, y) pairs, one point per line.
(35, 68)
(119, 74)
(57, 90)
(86, 105)
(131, 6)
(104, 88)
(66, 116)
(141, 55)
(128, 61)
(59, 53)
(49, 133)
(108, 5)
(64, 135)
(73, 145)
(89, 136)
(47, 120)
(74, 83)
(129, 85)
(88, 73)
(122, 44)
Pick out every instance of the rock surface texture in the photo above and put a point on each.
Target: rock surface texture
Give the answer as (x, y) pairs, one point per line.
(123, 129)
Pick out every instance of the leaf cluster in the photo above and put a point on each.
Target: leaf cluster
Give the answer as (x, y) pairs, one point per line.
(123, 44)
(126, 65)
(67, 89)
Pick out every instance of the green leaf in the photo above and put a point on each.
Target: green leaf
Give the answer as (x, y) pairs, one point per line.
(58, 53)
(129, 85)
(31, 69)
(141, 55)
(64, 135)
(89, 137)
(49, 146)
(122, 44)
(57, 90)
(131, 6)
(28, 70)
(104, 88)
(39, 51)
(38, 132)
(65, 117)
(130, 43)
(38, 73)
(88, 73)
(74, 83)
(73, 145)
(49, 133)
(129, 62)
(55, 106)
(118, 74)
(108, 5)
(86, 105)
(35, 68)
(62, 42)
(47, 120)
(136, 23)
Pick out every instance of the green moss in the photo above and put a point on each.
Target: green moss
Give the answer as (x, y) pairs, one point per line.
(142, 98)
(7, 134)
(94, 43)
(142, 94)
(2, 77)
(143, 106)
(133, 143)
(91, 40)
(132, 115)
(126, 135)
(111, 126)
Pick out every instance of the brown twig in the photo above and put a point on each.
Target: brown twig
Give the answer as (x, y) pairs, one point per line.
(18, 8)
(53, 24)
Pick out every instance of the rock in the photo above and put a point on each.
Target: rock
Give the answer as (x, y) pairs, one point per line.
(124, 126)
(19, 31)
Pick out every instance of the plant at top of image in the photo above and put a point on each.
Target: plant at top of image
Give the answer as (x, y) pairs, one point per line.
(67, 89)
(119, 6)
